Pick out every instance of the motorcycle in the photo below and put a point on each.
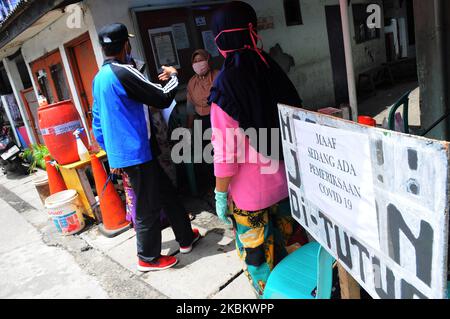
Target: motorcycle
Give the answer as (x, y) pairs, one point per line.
(10, 159)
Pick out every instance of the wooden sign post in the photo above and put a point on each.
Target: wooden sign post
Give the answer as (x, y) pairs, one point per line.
(377, 200)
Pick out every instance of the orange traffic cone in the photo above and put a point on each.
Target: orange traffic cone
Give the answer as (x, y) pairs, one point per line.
(111, 206)
(55, 180)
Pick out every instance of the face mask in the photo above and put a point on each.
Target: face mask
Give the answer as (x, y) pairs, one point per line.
(253, 35)
(129, 58)
(201, 68)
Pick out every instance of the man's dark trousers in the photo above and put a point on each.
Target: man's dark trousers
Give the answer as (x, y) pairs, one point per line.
(154, 192)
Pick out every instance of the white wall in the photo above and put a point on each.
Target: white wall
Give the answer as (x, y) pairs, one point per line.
(307, 44)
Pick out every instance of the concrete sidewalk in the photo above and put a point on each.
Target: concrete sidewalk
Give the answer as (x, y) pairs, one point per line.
(212, 270)
(379, 106)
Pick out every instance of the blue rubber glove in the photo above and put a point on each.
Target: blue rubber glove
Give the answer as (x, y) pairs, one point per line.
(222, 206)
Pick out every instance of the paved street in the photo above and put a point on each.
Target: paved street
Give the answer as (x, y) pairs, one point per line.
(37, 262)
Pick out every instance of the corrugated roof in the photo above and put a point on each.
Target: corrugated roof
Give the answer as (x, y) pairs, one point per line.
(8, 8)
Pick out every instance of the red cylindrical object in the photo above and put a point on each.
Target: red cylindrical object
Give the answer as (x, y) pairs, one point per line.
(57, 123)
(367, 120)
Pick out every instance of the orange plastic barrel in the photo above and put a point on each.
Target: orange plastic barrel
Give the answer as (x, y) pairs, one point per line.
(57, 123)
(367, 120)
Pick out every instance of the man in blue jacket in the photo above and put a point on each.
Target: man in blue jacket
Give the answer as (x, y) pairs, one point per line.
(122, 127)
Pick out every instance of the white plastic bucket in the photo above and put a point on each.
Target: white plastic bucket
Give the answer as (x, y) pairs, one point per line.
(66, 212)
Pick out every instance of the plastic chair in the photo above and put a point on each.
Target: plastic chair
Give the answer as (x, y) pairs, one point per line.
(404, 100)
(448, 290)
(299, 274)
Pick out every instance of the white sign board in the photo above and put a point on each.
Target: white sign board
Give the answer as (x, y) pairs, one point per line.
(200, 21)
(376, 200)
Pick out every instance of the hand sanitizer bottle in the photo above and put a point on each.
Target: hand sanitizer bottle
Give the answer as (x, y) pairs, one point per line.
(82, 150)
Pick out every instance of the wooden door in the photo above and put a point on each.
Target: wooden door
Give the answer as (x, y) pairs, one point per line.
(337, 52)
(411, 23)
(84, 69)
(51, 78)
(390, 47)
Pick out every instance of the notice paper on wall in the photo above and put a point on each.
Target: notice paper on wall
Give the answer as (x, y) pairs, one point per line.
(377, 200)
(210, 43)
(200, 21)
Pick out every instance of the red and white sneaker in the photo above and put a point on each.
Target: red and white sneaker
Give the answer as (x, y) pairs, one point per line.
(188, 249)
(161, 263)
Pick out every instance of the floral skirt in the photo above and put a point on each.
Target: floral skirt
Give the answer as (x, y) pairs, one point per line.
(264, 238)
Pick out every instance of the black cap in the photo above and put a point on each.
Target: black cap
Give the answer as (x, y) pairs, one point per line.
(114, 33)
